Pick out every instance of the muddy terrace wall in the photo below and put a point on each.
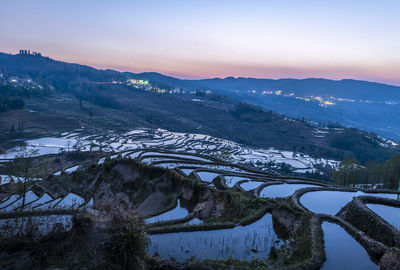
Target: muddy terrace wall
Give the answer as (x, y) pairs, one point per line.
(380, 239)
(130, 183)
(359, 215)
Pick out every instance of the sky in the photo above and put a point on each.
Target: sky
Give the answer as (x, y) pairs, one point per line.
(358, 39)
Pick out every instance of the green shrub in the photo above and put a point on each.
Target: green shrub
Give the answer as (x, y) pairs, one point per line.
(126, 248)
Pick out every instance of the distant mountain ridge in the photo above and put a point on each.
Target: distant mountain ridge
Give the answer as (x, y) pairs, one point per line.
(367, 105)
(346, 88)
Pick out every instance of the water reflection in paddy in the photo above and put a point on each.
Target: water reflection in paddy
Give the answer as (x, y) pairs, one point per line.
(177, 212)
(187, 171)
(47, 205)
(242, 242)
(47, 145)
(232, 180)
(30, 196)
(41, 224)
(194, 221)
(207, 176)
(282, 190)
(170, 155)
(389, 213)
(250, 185)
(330, 202)
(71, 201)
(343, 251)
(72, 169)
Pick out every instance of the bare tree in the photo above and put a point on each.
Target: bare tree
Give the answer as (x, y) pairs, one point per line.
(23, 164)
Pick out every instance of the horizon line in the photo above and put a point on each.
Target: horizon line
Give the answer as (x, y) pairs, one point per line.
(195, 78)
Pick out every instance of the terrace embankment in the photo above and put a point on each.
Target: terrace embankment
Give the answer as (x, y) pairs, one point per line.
(305, 249)
(359, 215)
(369, 222)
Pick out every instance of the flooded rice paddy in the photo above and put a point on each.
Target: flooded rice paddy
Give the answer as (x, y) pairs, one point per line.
(44, 202)
(250, 185)
(232, 180)
(176, 213)
(242, 242)
(330, 202)
(207, 176)
(41, 225)
(389, 213)
(342, 251)
(282, 190)
(179, 142)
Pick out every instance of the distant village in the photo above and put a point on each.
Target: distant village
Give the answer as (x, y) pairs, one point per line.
(24, 81)
(158, 88)
(20, 81)
(146, 85)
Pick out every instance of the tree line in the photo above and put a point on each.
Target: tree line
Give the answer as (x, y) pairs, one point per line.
(350, 172)
(7, 103)
(21, 91)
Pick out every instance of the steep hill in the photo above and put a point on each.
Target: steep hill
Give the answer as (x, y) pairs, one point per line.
(76, 103)
(352, 103)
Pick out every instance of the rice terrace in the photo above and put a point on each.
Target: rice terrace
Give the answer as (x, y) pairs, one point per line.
(197, 204)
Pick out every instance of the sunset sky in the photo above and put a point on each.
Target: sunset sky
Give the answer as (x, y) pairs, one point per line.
(198, 39)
